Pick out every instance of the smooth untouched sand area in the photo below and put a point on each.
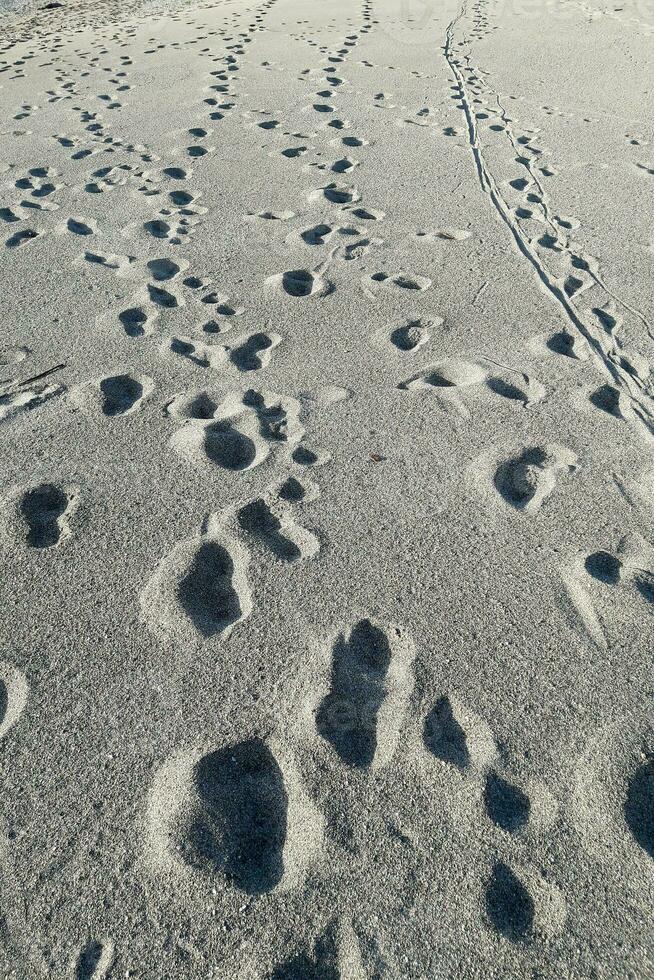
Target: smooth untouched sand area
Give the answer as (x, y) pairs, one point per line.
(327, 490)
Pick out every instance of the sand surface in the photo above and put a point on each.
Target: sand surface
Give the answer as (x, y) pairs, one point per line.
(327, 490)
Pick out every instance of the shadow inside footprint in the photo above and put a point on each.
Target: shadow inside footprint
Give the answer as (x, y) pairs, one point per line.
(94, 961)
(323, 965)
(410, 336)
(78, 227)
(316, 235)
(509, 905)
(133, 321)
(43, 507)
(227, 447)
(257, 519)
(518, 479)
(206, 592)
(607, 399)
(298, 282)
(639, 806)
(644, 582)
(163, 269)
(347, 717)
(507, 806)
(604, 567)
(240, 824)
(120, 394)
(444, 736)
(506, 390)
(247, 356)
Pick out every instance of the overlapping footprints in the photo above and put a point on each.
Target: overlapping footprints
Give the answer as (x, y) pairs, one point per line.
(525, 479)
(454, 373)
(371, 680)
(237, 811)
(235, 431)
(268, 522)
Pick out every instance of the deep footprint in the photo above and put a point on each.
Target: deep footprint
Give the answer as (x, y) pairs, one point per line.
(206, 592)
(239, 823)
(120, 394)
(43, 510)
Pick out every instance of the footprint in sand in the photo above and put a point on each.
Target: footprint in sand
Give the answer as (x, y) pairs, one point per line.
(28, 399)
(95, 960)
(268, 521)
(206, 592)
(301, 283)
(13, 696)
(255, 352)
(526, 479)
(199, 590)
(46, 511)
(629, 569)
(453, 734)
(22, 237)
(371, 680)
(414, 334)
(199, 354)
(522, 905)
(123, 394)
(237, 432)
(397, 281)
(639, 805)
(449, 373)
(507, 806)
(240, 819)
(236, 812)
(335, 955)
(336, 194)
(11, 354)
(83, 227)
(136, 321)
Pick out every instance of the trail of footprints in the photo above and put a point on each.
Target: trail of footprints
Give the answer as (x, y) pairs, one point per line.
(245, 807)
(239, 810)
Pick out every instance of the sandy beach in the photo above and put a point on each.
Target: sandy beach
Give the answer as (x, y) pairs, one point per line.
(327, 490)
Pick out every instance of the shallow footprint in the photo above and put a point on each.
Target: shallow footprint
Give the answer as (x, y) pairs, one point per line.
(413, 335)
(13, 696)
(94, 961)
(457, 736)
(527, 479)
(639, 806)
